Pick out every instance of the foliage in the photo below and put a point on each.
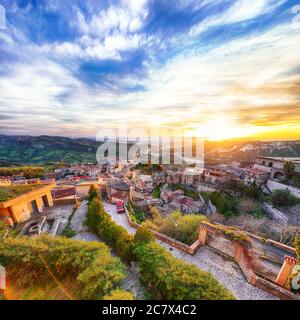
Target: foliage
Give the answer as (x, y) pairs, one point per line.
(68, 231)
(115, 235)
(297, 247)
(29, 172)
(295, 181)
(168, 277)
(187, 192)
(283, 199)
(143, 236)
(172, 279)
(10, 192)
(289, 169)
(237, 188)
(261, 226)
(37, 260)
(183, 228)
(157, 191)
(225, 204)
(148, 169)
(136, 213)
(93, 193)
(119, 295)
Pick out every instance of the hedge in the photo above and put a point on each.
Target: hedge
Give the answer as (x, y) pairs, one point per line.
(165, 276)
(36, 261)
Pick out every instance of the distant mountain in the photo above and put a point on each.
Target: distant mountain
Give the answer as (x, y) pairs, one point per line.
(28, 149)
(226, 151)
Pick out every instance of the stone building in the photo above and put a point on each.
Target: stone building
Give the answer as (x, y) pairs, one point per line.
(5, 181)
(275, 166)
(118, 191)
(19, 208)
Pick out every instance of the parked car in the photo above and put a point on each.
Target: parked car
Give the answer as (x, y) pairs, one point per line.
(120, 207)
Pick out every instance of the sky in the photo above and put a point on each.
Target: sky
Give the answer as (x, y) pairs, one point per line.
(218, 69)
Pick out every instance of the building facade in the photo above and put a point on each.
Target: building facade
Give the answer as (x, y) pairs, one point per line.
(22, 208)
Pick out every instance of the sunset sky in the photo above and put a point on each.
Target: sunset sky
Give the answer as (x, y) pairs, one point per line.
(216, 68)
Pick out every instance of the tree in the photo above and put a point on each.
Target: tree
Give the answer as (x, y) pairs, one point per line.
(289, 169)
(143, 236)
(283, 199)
(93, 193)
(36, 262)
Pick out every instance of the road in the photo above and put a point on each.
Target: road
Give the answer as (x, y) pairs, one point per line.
(223, 269)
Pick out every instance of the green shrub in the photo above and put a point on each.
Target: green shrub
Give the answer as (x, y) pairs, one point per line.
(183, 228)
(93, 193)
(156, 192)
(29, 172)
(172, 279)
(113, 234)
(164, 275)
(143, 236)
(225, 204)
(283, 199)
(119, 295)
(93, 270)
(297, 246)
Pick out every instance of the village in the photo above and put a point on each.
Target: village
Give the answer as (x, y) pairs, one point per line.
(160, 197)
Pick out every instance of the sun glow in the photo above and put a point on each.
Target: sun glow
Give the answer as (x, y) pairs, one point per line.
(222, 129)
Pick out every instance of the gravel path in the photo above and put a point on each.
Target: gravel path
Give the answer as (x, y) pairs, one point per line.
(132, 282)
(225, 270)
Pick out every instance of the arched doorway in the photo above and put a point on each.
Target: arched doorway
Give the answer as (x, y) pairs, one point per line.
(278, 176)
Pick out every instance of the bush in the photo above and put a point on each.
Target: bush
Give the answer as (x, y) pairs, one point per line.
(88, 265)
(225, 205)
(93, 193)
(156, 192)
(29, 171)
(183, 228)
(172, 279)
(166, 276)
(143, 236)
(187, 192)
(119, 295)
(297, 246)
(115, 235)
(283, 199)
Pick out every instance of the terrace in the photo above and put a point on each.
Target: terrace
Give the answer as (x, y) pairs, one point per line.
(11, 192)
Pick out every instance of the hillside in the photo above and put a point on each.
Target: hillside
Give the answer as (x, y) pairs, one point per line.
(28, 149)
(226, 151)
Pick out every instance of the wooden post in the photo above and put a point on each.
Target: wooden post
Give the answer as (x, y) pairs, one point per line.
(285, 270)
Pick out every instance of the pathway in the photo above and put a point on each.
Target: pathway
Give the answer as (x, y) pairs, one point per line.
(225, 270)
(132, 282)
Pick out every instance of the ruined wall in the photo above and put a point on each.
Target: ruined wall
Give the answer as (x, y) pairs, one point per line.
(220, 244)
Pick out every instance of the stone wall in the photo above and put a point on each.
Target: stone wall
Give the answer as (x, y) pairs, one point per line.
(221, 244)
(240, 251)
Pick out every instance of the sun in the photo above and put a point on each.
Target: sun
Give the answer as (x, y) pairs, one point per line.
(223, 129)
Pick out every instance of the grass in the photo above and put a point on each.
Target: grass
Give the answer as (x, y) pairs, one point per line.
(11, 192)
(68, 231)
(187, 192)
(156, 192)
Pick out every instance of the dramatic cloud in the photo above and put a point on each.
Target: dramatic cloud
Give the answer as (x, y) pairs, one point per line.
(218, 68)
